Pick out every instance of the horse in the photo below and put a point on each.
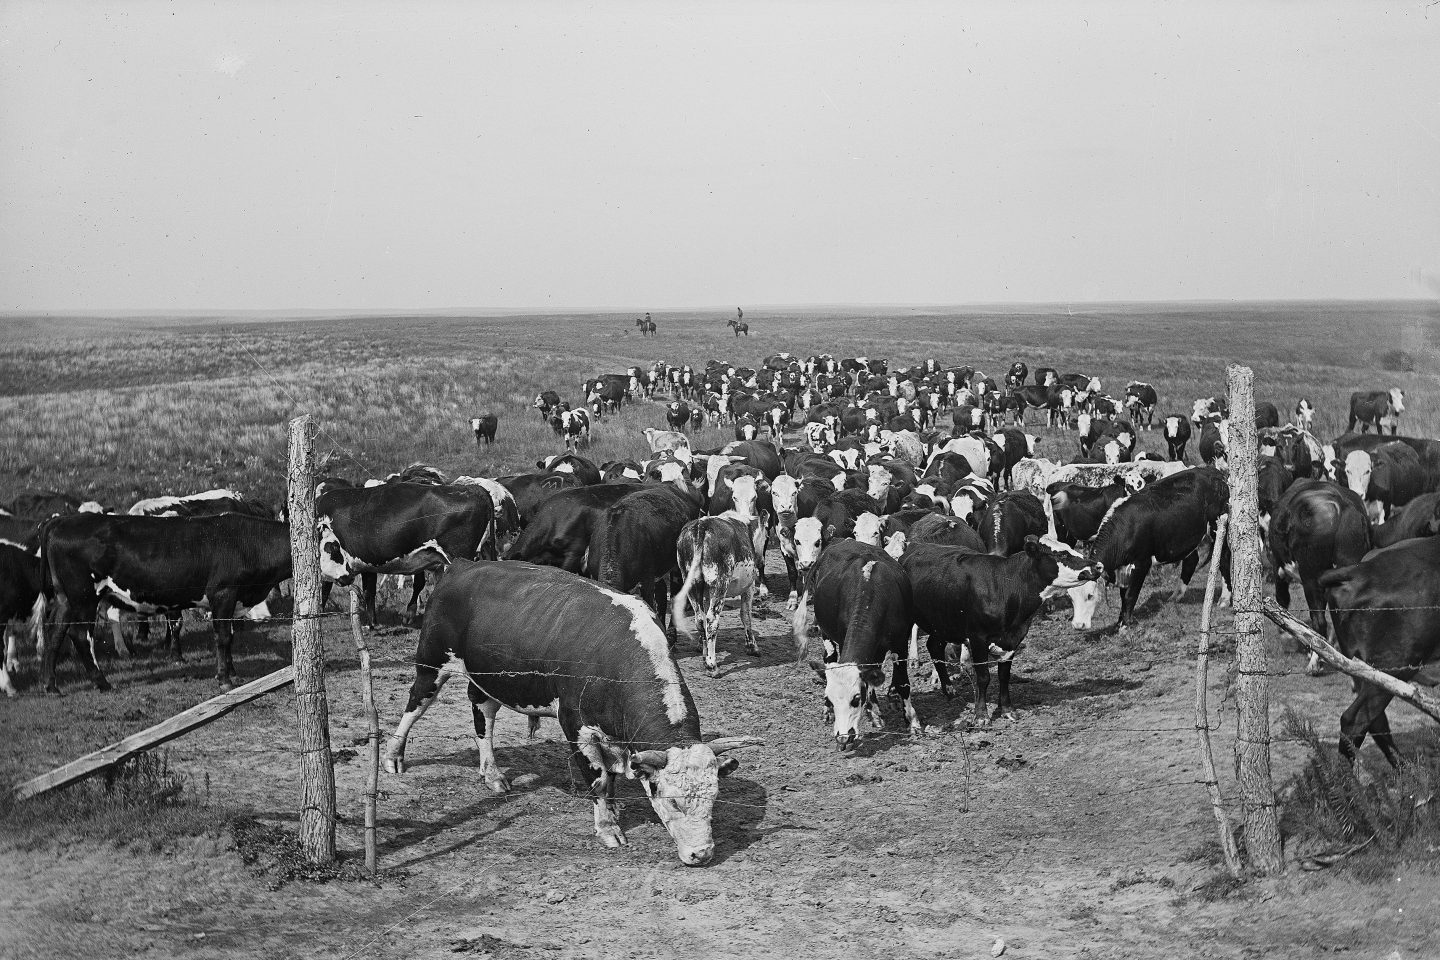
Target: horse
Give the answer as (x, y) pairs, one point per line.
(646, 325)
(739, 327)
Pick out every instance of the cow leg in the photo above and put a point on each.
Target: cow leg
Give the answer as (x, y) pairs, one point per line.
(600, 784)
(117, 632)
(485, 709)
(222, 620)
(1138, 571)
(1366, 714)
(793, 573)
(367, 589)
(708, 623)
(935, 646)
(423, 693)
(173, 629)
(1003, 707)
(325, 586)
(900, 689)
(747, 599)
(979, 660)
(1187, 570)
(412, 608)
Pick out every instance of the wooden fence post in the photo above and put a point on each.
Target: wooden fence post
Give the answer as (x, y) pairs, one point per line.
(1202, 709)
(317, 804)
(367, 694)
(1252, 740)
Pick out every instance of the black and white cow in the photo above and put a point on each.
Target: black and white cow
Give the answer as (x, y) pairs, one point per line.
(484, 427)
(1165, 522)
(574, 427)
(984, 604)
(547, 643)
(633, 545)
(585, 469)
(1376, 408)
(547, 402)
(1010, 520)
(1387, 613)
(403, 528)
(1078, 509)
(1386, 476)
(862, 607)
(678, 415)
(158, 565)
(1177, 435)
(1305, 414)
(208, 503)
(560, 531)
(1140, 402)
(718, 557)
(1013, 445)
(21, 597)
(1316, 526)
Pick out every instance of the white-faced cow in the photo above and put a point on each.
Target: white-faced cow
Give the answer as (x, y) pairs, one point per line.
(1378, 409)
(1177, 435)
(546, 643)
(1140, 401)
(484, 427)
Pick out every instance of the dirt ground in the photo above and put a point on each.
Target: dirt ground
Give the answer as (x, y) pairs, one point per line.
(1079, 830)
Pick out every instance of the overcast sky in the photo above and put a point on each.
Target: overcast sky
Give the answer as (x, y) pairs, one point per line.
(638, 156)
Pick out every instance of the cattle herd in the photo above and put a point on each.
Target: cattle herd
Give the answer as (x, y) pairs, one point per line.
(565, 588)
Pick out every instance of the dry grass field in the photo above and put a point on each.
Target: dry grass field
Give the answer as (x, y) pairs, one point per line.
(1079, 830)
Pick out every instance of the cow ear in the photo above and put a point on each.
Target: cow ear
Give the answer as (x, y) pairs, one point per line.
(649, 762)
(728, 766)
(728, 484)
(819, 669)
(1032, 545)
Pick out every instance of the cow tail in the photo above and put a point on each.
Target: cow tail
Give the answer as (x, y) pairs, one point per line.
(682, 623)
(800, 626)
(37, 622)
(485, 549)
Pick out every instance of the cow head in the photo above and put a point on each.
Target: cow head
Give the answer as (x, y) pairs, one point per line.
(868, 528)
(1082, 424)
(1397, 400)
(895, 545)
(1113, 451)
(682, 784)
(333, 561)
(782, 493)
(1084, 601)
(1358, 467)
(810, 537)
(743, 492)
(1030, 442)
(879, 487)
(1071, 569)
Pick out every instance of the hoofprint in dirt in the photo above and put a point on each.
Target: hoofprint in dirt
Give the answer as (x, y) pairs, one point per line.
(1077, 830)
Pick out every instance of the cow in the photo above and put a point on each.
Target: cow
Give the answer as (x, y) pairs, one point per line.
(678, 415)
(1316, 526)
(574, 427)
(1214, 439)
(547, 643)
(559, 533)
(984, 604)
(1165, 522)
(507, 511)
(1305, 415)
(403, 528)
(1013, 445)
(1418, 518)
(1009, 520)
(158, 565)
(21, 596)
(1273, 478)
(1140, 401)
(547, 402)
(863, 610)
(606, 397)
(1377, 408)
(1209, 408)
(484, 428)
(206, 504)
(530, 490)
(1386, 610)
(663, 440)
(1387, 476)
(1177, 435)
(633, 543)
(718, 557)
(1078, 510)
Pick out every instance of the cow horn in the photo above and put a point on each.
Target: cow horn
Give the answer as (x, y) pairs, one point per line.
(721, 744)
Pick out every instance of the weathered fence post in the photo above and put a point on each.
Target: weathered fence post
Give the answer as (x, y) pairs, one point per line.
(1202, 709)
(317, 805)
(367, 693)
(1252, 740)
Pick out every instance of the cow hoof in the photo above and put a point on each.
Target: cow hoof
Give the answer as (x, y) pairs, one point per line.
(611, 837)
(712, 668)
(53, 689)
(498, 785)
(982, 721)
(226, 684)
(101, 684)
(395, 765)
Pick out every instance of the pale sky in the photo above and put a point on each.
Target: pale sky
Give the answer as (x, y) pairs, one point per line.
(638, 156)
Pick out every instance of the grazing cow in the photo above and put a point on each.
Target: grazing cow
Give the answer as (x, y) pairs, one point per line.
(1418, 518)
(719, 559)
(21, 596)
(1377, 408)
(1078, 509)
(1316, 526)
(547, 402)
(1165, 522)
(547, 643)
(1387, 613)
(678, 415)
(1305, 415)
(1177, 435)
(607, 397)
(984, 604)
(863, 610)
(1140, 402)
(484, 427)
(159, 565)
(1009, 520)
(404, 528)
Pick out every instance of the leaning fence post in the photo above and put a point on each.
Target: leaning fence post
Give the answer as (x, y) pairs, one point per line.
(317, 774)
(1202, 709)
(367, 693)
(1252, 740)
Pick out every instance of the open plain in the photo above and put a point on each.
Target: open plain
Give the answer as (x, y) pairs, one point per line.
(1081, 829)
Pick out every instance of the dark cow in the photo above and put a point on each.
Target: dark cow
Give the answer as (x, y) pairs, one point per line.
(404, 528)
(559, 533)
(678, 415)
(1017, 374)
(1009, 520)
(945, 530)
(1140, 401)
(863, 610)
(1267, 415)
(717, 555)
(21, 593)
(633, 544)
(573, 426)
(1387, 613)
(1386, 476)
(547, 643)
(1014, 445)
(607, 397)
(1378, 409)
(547, 402)
(1078, 509)
(585, 469)
(158, 565)
(207, 504)
(1316, 526)
(1177, 435)
(984, 604)
(532, 489)
(1212, 443)
(1418, 518)
(1165, 522)
(1273, 478)
(484, 427)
